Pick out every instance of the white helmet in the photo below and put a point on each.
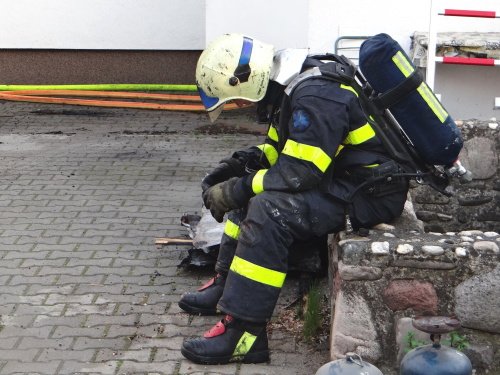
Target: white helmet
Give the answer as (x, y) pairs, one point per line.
(233, 66)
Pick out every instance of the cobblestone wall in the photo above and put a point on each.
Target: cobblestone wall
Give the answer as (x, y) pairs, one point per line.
(473, 205)
(397, 272)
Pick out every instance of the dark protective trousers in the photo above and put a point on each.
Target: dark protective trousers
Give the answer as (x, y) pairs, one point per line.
(257, 260)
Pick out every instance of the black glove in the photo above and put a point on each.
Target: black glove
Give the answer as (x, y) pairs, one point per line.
(227, 168)
(223, 197)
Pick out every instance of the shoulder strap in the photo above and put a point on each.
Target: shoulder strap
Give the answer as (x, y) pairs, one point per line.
(337, 68)
(314, 72)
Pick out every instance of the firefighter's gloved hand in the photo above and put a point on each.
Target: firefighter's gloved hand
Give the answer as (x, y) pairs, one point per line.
(223, 197)
(224, 171)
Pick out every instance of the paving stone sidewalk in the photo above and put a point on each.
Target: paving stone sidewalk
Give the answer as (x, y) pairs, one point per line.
(84, 192)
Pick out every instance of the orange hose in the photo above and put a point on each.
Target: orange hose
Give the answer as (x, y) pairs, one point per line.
(37, 96)
(108, 94)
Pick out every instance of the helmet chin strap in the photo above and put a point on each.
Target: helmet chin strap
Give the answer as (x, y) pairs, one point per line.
(287, 64)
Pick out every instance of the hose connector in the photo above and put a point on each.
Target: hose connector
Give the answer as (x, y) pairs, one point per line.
(457, 170)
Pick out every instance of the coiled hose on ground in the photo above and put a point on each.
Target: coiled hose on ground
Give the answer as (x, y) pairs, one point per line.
(61, 94)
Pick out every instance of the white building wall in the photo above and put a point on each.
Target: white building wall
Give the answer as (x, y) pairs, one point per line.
(103, 24)
(282, 23)
(189, 24)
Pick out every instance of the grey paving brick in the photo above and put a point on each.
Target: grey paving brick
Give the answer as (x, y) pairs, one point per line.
(179, 320)
(83, 299)
(98, 288)
(37, 343)
(38, 263)
(120, 320)
(73, 279)
(7, 308)
(188, 367)
(21, 279)
(130, 367)
(134, 298)
(128, 308)
(54, 354)
(67, 240)
(72, 262)
(48, 368)
(73, 309)
(55, 247)
(8, 342)
(27, 309)
(80, 367)
(95, 270)
(25, 240)
(67, 270)
(21, 252)
(65, 332)
(17, 355)
(59, 321)
(132, 355)
(69, 252)
(98, 343)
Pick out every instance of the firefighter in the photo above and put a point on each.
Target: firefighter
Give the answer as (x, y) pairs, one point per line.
(297, 185)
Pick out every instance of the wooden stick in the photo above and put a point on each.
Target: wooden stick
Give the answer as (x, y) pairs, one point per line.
(173, 241)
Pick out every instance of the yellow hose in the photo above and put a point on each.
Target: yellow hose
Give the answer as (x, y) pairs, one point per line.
(104, 87)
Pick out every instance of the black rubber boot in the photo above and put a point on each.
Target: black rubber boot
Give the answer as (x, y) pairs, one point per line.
(230, 340)
(204, 300)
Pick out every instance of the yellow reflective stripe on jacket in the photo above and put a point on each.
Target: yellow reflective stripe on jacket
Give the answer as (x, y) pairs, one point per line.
(406, 68)
(309, 153)
(339, 149)
(244, 344)
(360, 135)
(270, 152)
(231, 229)
(272, 133)
(349, 88)
(257, 273)
(258, 181)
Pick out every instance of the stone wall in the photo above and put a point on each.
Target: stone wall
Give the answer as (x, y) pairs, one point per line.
(473, 205)
(395, 273)
(429, 262)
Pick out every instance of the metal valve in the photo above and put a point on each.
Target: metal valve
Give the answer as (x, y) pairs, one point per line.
(458, 170)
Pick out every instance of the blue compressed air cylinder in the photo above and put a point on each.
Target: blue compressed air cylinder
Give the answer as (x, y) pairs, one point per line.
(423, 118)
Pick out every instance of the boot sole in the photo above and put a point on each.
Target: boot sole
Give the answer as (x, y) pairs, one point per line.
(195, 310)
(256, 357)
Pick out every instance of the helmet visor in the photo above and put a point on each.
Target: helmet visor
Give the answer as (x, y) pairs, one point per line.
(214, 114)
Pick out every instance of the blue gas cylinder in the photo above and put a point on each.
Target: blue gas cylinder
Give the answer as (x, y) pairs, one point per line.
(351, 365)
(435, 360)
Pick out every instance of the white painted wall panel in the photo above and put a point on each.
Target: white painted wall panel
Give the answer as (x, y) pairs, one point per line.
(189, 24)
(103, 24)
(282, 23)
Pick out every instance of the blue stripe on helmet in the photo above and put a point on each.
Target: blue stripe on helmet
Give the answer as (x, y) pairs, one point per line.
(208, 101)
(246, 51)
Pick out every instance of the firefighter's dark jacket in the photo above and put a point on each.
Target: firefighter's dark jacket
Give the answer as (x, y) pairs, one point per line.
(322, 139)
